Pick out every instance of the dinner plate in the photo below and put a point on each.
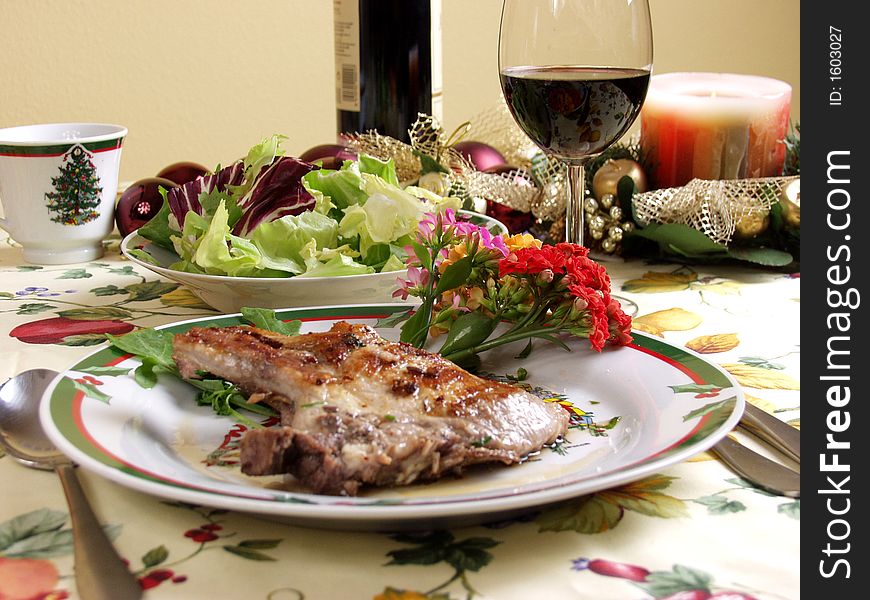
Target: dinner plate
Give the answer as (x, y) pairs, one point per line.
(634, 410)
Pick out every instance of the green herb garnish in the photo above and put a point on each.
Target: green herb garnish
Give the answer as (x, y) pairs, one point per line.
(482, 442)
(153, 347)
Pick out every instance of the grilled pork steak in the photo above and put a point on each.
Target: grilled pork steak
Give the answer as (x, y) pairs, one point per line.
(357, 409)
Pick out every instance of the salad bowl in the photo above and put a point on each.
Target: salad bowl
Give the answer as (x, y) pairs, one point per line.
(230, 293)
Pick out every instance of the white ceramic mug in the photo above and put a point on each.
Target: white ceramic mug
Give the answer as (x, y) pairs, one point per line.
(57, 186)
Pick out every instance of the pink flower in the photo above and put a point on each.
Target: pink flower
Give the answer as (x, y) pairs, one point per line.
(417, 278)
(493, 242)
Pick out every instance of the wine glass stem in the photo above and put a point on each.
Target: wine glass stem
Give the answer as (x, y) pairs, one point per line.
(574, 227)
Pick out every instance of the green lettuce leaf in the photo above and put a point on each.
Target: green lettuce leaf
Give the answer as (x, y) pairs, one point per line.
(344, 187)
(284, 238)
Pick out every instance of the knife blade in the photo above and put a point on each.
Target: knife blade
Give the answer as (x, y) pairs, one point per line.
(778, 434)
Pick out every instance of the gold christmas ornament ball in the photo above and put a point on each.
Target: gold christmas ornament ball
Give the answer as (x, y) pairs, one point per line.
(607, 176)
(591, 205)
(791, 204)
(752, 224)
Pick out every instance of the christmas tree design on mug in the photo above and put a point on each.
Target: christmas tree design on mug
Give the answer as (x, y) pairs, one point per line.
(76, 194)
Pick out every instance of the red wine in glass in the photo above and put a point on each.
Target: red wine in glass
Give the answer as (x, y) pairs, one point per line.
(574, 112)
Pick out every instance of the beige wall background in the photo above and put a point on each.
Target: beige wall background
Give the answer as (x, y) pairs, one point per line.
(203, 80)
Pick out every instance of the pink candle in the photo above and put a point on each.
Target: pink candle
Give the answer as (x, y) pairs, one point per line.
(714, 126)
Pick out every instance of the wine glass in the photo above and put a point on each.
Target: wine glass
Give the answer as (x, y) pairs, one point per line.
(574, 75)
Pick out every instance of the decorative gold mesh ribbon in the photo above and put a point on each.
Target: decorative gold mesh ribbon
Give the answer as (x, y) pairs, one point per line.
(496, 127)
(713, 207)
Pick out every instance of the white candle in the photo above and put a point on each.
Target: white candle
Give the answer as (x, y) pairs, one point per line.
(714, 126)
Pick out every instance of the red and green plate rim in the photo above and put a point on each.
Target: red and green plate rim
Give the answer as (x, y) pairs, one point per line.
(65, 401)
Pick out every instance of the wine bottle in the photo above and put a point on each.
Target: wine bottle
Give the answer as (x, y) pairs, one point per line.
(387, 64)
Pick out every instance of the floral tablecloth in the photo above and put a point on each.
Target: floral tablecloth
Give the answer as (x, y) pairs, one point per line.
(692, 532)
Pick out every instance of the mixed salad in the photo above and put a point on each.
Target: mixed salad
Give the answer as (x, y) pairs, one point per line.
(271, 215)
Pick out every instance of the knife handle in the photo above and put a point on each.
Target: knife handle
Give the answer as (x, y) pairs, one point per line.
(757, 469)
(778, 434)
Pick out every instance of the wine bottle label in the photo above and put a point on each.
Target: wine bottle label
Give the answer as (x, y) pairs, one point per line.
(347, 54)
(437, 87)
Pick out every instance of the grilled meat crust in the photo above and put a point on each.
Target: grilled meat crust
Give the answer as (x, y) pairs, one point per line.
(357, 409)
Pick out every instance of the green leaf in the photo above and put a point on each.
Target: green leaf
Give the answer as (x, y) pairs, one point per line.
(422, 254)
(74, 274)
(468, 330)
(423, 555)
(108, 290)
(44, 545)
(29, 524)
(157, 229)
(428, 164)
(84, 339)
(661, 584)
(394, 319)
(97, 313)
(149, 290)
(144, 256)
(259, 544)
(417, 325)
(524, 353)
(145, 375)
(720, 505)
(125, 270)
(6, 295)
(454, 275)
(155, 556)
(769, 257)
(29, 268)
(265, 318)
(625, 189)
(32, 308)
(681, 239)
(589, 514)
(147, 343)
(470, 554)
(746, 485)
(707, 408)
(761, 363)
(248, 553)
(790, 509)
(91, 391)
(109, 371)
(694, 388)
(439, 537)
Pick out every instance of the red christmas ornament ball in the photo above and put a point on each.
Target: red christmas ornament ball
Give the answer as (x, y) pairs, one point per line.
(482, 156)
(139, 203)
(515, 220)
(182, 172)
(332, 155)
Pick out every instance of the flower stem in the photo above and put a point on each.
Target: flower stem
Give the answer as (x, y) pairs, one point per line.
(507, 338)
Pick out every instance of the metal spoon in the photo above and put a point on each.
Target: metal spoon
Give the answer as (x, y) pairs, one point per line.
(100, 573)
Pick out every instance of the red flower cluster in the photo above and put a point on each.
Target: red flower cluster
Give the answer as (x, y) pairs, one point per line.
(586, 280)
(531, 260)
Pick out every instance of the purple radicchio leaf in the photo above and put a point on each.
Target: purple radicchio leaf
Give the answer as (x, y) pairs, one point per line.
(186, 197)
(277, 192)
